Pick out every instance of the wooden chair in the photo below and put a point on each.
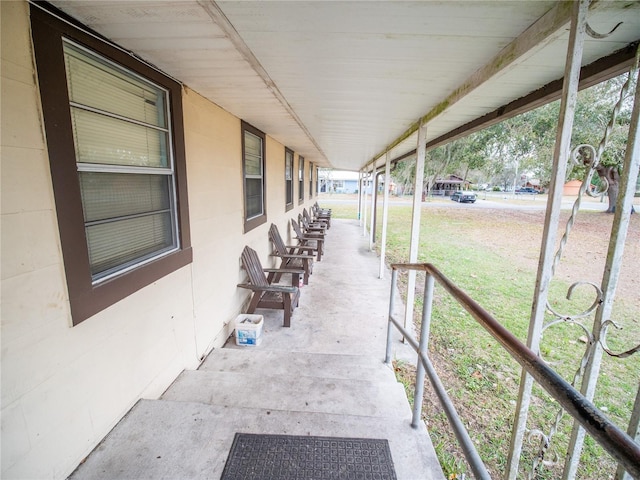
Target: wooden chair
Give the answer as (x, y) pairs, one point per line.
(309, 228)
(315, 241)
(289, 259)
(323, 211)
(321, 223)
(321, 215)
(266, 295)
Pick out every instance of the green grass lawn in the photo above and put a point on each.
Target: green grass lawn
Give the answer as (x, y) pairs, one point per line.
(480, 376)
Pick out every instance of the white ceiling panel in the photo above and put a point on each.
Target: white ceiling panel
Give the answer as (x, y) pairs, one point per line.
(339, 81)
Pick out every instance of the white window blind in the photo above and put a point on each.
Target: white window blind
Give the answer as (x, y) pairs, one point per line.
(288, 176)
(253, 172)
(122, 145)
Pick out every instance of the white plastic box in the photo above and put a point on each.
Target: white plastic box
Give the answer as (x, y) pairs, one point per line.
(249, 329)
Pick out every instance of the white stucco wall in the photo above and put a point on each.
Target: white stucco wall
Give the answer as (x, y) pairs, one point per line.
(63, 387)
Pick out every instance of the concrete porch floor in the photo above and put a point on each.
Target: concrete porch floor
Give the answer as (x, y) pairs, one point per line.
(324, 376)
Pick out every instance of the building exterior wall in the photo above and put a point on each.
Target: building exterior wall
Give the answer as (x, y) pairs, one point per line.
(64, 387)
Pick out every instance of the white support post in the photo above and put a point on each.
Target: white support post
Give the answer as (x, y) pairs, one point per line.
(385, 215)
(374, 195)
(415, 224)
(610, 278)
(360, 183)
(550, 232)
(364, 203)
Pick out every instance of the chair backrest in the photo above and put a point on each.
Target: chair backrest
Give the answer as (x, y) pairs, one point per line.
(296, 229)
(306, 215)
(302, 222)
(276, 239)
(252, 265)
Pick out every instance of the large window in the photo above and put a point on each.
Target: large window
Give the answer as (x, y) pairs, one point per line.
(300, 179)
(253, 155)
(288, 178)
(116, 153)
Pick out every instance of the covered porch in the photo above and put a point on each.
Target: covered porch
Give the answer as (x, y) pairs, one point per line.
(237, 106)
(324, 376)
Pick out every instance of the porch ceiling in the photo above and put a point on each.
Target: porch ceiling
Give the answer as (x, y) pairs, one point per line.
(339, 82)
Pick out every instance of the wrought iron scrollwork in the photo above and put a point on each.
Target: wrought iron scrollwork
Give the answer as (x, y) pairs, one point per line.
(589, 157)
(593, 34)
(603, 341)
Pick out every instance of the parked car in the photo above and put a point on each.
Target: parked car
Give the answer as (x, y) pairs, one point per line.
(463, 197)
(526, 190)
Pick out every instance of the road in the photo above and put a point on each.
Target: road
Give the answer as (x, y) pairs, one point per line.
(496, 200)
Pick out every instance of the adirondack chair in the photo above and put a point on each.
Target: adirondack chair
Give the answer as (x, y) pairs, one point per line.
(321, 215)
(289, 259)
(315, 241)
(323, 211)
(265, 294)
(311, 221)
(309, 228)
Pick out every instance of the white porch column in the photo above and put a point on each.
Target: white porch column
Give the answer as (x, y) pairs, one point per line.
(360, 176)
(550, 233)
(364, 203)
(610, 280)
(415, 223)
(374, 196)
(385, 215)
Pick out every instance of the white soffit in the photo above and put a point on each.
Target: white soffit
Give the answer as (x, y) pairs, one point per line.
(338, 81)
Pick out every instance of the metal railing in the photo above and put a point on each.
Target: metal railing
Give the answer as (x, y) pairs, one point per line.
(616, 442)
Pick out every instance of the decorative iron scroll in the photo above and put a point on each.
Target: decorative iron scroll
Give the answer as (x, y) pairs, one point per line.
(589, 157)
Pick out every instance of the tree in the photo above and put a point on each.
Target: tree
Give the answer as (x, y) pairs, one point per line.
(594, 115)
(525, 144)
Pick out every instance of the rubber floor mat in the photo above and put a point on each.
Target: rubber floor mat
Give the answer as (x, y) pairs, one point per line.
(287, 457)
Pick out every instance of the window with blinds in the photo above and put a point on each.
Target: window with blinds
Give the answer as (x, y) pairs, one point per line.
(123, 155)
(253, 158)
(300, 179)
(253, 175)
(288, 178)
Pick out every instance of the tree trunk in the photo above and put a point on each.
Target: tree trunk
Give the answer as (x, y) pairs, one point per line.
(613, 177)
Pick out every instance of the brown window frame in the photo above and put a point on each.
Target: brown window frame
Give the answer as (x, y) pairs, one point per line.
(288, 184)
(253, 222)
(300, 179)
(86, 297)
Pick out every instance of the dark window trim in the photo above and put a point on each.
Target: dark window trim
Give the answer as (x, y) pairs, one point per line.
(288, 206)
(310, 180)
(85, 298)
(260, 219)
(300, 180)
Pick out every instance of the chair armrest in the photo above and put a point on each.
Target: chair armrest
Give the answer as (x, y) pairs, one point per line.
(293, 255)
(269, 288)
(300, 247)
(293, 271)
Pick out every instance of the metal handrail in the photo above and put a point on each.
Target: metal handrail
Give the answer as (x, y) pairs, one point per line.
(615, 441)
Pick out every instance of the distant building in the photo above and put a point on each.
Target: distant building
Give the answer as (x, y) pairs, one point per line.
(572, 187)
(338, 181)
(446, 186)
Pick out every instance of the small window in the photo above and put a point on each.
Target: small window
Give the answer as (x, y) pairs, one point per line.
(116, 152)
(310, 180)
(300, 179)
(288, 178)
(253, 155)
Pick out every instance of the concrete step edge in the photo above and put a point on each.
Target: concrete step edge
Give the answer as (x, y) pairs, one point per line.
(304, 394)
(326, 365)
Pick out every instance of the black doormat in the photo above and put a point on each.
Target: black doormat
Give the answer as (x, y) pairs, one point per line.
(286, 457)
